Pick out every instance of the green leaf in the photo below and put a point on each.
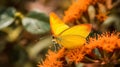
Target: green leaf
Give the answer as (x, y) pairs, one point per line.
(6, 17)
(38, 16)
(35, 26)
(6, 22)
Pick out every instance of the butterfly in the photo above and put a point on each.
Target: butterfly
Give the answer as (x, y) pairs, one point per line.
(68, 37)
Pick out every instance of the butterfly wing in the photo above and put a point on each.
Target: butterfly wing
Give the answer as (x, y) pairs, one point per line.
(71, 41)
(56, 24)
(82, 30)
(74, 36)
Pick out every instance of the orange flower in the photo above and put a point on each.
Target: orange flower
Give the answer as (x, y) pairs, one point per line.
(78, 54)
(75, 55)
(53, 59)
(107, 42)
(75, 11)
(101, 17)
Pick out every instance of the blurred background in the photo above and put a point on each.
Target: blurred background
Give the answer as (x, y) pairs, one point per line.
(25, 31)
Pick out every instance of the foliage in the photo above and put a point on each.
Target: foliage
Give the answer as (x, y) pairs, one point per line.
(17, 31)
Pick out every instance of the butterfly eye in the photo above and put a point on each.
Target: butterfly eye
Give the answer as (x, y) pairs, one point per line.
(53, 37)
(54, 40)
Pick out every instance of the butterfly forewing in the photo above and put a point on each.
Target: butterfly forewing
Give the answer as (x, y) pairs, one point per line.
(57, 26)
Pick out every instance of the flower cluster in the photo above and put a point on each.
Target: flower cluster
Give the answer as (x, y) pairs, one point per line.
(103, 50)
(77, 9)
(54, 59)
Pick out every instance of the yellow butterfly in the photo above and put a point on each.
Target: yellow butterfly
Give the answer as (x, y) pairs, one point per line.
(68, 37)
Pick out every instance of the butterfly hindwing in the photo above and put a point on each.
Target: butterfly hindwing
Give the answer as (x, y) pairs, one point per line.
(71, 41)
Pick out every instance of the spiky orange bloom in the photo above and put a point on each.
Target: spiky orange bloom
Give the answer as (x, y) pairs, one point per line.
(77, 9)
(75, 55)
(101, 17)
(78, 54)
(105, 42)
(108, 42)
(53, 59)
